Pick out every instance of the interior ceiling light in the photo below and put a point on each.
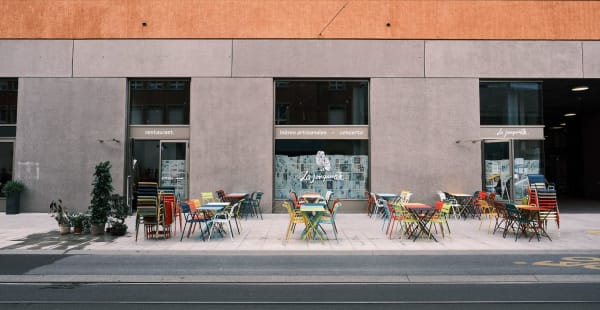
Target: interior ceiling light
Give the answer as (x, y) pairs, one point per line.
(556, 127)
(570, 114)
(580, 88)
(563, 124)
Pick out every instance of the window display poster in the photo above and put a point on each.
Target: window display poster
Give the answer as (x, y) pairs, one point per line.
(173, 174)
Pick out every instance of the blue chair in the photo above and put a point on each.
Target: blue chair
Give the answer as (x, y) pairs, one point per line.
(192, 219)
(330, 219)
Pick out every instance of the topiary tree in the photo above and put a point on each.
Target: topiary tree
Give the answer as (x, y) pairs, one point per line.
(101, 194)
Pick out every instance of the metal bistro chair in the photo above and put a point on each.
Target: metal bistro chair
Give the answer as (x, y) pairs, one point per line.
(221, 218)
(330, 219)
(191, 218)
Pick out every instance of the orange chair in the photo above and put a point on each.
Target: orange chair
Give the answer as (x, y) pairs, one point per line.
(296, 200)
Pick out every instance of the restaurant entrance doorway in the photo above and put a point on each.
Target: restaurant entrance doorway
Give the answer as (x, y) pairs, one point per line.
(162, 161)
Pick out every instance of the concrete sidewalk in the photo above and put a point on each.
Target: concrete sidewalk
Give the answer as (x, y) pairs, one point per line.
(358, 234)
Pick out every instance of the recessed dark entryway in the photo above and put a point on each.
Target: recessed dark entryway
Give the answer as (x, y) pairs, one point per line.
(572, 125)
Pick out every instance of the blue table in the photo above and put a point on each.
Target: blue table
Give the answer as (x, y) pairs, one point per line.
(210, 208)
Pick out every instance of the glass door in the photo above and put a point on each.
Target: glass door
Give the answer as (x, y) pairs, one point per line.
(497, 168)
(173, 166)
(507, 163)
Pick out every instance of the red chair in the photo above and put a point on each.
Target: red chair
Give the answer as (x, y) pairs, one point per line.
(297, 202)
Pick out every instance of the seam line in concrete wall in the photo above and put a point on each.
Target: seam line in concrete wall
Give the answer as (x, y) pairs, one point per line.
(72, 58)
(582, 62)
(424, 60)
(231, 61)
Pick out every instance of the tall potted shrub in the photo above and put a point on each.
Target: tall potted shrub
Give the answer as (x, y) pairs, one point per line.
(101, 194)
(12, 190)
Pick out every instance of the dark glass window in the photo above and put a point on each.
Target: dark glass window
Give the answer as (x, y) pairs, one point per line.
(510, 103)
(159, 102)
(342, 167)
(8, 101)
(321, 102)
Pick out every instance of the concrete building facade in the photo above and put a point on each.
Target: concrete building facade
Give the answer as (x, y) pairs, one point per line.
(423, 131)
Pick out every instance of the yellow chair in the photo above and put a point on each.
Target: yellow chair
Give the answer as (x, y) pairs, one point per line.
(295, 218)
(208, 197)
(488, 211)
(441, 218)
(408, 222)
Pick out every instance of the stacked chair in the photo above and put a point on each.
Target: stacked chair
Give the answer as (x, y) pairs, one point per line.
(168, 210)
(147, 211)
(543, 194)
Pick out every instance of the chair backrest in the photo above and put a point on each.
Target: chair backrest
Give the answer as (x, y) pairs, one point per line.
(208, 197)
(294, 198)
(288, 206)
(446, 207)
(439, 204)
(337, 204)
(328, 196)
(537, 181)
(512, 211)
(256, 197)
(406, 195)
(482, 195)
(441, 195)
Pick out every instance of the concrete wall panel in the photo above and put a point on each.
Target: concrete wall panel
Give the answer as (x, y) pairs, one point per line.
(151, 58)
(231, 139)
(35, 58)
(327, 58)
(503, 59)
(591, 59)
(60, 122)
(415, 124)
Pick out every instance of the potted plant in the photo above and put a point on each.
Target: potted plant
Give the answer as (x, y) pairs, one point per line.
(118, 214)
(60, 214)
(101, 194)
(12, 190)
(78, 221)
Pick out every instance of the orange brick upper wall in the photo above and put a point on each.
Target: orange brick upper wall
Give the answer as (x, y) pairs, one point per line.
(296, 19)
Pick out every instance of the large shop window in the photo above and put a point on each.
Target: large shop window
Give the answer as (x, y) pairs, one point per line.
(321, 140)
(341, 166)
(159, 102)
(317, 102)
(8, 120)
(8, 101)
(511, 103)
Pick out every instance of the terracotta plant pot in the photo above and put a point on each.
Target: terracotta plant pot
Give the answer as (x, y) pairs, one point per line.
(64, 229)
(78, 230)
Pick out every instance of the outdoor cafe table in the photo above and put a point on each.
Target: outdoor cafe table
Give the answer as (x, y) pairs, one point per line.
(423, 213)
(312, 197)
(386, 196)
(466, 204)
(208, 209)
(234, 197)
(312, 213)
(533, 212)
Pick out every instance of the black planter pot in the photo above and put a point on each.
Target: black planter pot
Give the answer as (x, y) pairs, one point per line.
(13, 203)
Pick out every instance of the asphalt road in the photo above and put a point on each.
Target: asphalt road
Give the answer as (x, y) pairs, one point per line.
(554, 281)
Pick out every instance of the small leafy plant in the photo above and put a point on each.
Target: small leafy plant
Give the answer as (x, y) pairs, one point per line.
(13, 187)
(59, 213)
